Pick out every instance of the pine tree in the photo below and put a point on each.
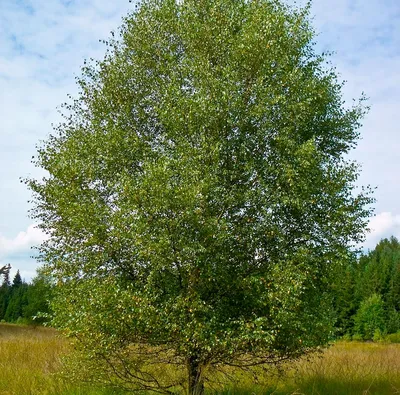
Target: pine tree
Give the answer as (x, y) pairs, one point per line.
(344, 298)
(17, 281)
(17, 302)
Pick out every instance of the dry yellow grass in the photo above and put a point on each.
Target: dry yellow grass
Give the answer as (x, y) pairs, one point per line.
(346, 368)
(29, 357)
(350, 368)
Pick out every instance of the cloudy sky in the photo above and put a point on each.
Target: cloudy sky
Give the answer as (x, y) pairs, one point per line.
(43, 44)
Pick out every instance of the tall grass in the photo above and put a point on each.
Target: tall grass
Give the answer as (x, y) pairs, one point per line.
(347, 368)
(30, 358)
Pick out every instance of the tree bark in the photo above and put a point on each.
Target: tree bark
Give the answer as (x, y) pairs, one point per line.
(195, 378)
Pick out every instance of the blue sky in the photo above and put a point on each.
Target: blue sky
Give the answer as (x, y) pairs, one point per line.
(43, 44)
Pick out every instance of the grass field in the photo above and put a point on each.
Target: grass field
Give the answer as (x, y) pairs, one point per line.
(346, 368)
(30, 357)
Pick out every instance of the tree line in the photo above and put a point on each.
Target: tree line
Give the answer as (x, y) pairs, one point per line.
(22, 302)
(367, 293)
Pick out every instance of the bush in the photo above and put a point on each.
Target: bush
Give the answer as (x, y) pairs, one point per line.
(370, 317)
(378, 335)
(23, 321)
(347, 337)
(393, 338)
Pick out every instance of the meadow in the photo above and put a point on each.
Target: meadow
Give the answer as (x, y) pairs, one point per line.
(30, 363)
(30, 359)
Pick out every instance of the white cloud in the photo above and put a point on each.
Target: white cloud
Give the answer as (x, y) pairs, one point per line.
(22, 242)
(18, 251)
(42, 46)
(381, 226)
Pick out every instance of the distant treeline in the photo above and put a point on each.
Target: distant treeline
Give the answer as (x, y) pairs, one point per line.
(22, 302)
(366, 295)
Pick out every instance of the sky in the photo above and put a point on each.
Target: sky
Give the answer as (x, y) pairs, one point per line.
(43, 44)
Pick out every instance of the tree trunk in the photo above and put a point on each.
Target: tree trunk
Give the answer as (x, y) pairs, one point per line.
(195, 379)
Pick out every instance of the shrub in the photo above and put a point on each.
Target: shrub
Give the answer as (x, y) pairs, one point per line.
(393, 338)
(370, 317)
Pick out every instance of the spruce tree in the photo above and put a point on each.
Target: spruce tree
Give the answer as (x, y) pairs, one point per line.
(17, 281)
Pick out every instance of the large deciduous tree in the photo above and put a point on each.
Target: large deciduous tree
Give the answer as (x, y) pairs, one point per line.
(198, 195)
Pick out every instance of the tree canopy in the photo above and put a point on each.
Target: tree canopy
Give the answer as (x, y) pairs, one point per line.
(198, 198)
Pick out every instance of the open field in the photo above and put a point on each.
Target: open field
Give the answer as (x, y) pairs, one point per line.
(346, 368)
(351, 368)
(30, 357)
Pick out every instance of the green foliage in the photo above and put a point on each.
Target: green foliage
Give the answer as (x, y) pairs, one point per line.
(381, 273)
(378, 335)
(198, 199)
(38, 295)
(4, 299)
(26, 303)
(345, 301)
(16, 303)
(13, 298)
(393, 337)
(393, 321)
(370, 318)
(377, 272)
(17, 281)
(357, 337)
